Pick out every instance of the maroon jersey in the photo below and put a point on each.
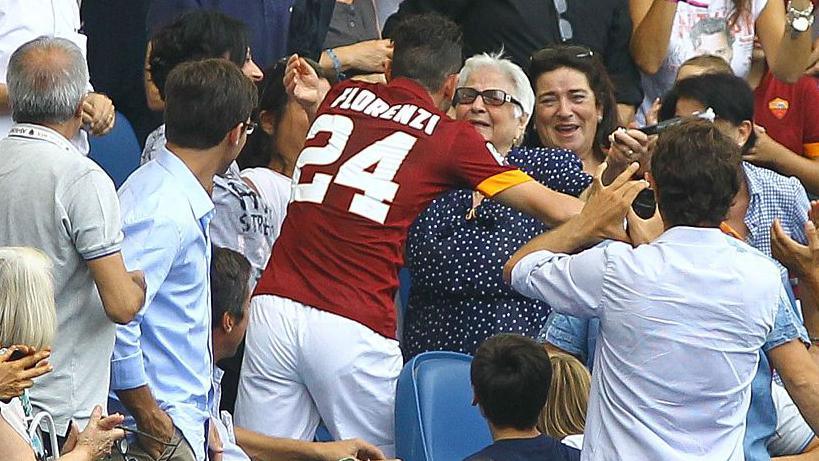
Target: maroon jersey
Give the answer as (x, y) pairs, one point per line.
(375, 157)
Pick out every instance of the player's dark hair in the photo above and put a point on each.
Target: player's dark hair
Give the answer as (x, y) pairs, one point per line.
(696, 169)
(196, 35)
(729, 96)
(205, 100)
(229, 283)
(428, 49)
(511, 375)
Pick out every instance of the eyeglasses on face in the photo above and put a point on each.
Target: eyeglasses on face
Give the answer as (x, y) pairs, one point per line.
(250, 127)
(467, 95)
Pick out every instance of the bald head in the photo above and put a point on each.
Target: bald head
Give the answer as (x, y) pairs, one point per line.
(47, 79)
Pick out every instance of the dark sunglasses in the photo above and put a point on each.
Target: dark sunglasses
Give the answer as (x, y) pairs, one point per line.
(466, 95)
(563, 24)
(571, 51)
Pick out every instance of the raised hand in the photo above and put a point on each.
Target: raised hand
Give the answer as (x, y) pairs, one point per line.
(607, 206)
(98, 113)
(801, 260)
(303, 84)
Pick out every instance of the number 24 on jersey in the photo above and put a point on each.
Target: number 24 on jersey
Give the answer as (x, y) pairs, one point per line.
(378, 189)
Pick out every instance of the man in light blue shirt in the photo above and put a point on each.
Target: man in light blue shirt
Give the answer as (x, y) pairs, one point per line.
(768, 196)
(162, 361)
(682, 319)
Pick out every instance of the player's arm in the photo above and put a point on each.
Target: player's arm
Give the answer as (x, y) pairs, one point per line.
(531, 197)
(475, 162)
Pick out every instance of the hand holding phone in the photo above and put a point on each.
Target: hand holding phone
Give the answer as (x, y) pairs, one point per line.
(19, 366)
(657, 128)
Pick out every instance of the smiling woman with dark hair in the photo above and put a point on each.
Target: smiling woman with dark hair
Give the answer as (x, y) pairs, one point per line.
(575, 107)
(457, 246)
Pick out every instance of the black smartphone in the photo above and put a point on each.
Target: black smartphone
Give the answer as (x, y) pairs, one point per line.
(17, 355)
(644, 205)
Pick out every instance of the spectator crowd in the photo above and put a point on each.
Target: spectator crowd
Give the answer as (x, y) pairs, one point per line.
(606, 204)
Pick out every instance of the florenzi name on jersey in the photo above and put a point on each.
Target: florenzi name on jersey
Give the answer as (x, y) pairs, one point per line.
(365, 101)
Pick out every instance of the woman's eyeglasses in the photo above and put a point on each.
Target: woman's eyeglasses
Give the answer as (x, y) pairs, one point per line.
(466, 95)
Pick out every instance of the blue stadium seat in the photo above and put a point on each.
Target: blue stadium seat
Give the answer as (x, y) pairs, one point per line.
(434, 416)
(117, 152)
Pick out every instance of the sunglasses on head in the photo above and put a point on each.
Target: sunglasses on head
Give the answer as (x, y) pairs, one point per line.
(466, 95)
(572, 51)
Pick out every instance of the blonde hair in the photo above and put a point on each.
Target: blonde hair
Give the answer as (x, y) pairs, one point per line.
(708, 63)
(565, 410)
(27, 312)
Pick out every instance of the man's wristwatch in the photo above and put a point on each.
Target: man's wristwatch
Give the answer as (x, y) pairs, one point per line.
(800, 20)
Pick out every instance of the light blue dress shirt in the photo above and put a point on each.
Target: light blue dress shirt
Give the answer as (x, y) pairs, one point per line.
(677, 349)
(165, 217)
(772, 196)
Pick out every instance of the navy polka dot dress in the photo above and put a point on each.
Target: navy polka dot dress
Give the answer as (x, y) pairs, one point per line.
(458, 297)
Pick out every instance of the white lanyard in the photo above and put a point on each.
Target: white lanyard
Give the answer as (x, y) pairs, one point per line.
(29, 131)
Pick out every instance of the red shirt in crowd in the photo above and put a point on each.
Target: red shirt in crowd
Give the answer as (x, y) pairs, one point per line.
(375, 157)
(790, 113)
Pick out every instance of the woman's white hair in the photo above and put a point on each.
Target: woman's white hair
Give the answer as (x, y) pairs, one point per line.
(521, 88)
(27, 311)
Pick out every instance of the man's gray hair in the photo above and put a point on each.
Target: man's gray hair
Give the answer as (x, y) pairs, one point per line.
(47, 80)
(521, 89)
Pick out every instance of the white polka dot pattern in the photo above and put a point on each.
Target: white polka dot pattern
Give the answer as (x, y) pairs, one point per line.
(458, 297)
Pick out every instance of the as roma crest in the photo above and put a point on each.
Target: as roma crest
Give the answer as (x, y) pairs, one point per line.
(778, 107)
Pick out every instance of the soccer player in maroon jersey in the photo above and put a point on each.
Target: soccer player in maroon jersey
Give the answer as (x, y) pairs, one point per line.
(320, 343)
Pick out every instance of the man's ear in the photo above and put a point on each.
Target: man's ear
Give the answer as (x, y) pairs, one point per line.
(450, 84)
(388, 69)
(745, 129)
(78, 110)
(234, 136)
(227, 322)
(652, 184)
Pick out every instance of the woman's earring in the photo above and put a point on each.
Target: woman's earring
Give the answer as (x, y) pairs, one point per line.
(599, 118)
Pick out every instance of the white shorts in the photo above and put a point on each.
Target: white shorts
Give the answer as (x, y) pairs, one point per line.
(303, 364)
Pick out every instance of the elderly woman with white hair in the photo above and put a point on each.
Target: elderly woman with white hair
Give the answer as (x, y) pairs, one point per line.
(457, 247)
(27, 324)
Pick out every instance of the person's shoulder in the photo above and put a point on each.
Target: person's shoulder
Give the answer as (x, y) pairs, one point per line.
(482, 455)
(557, 450)
(770, 182)
(753, 258)
(267, 175)
(808, 86)
(145, 189)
